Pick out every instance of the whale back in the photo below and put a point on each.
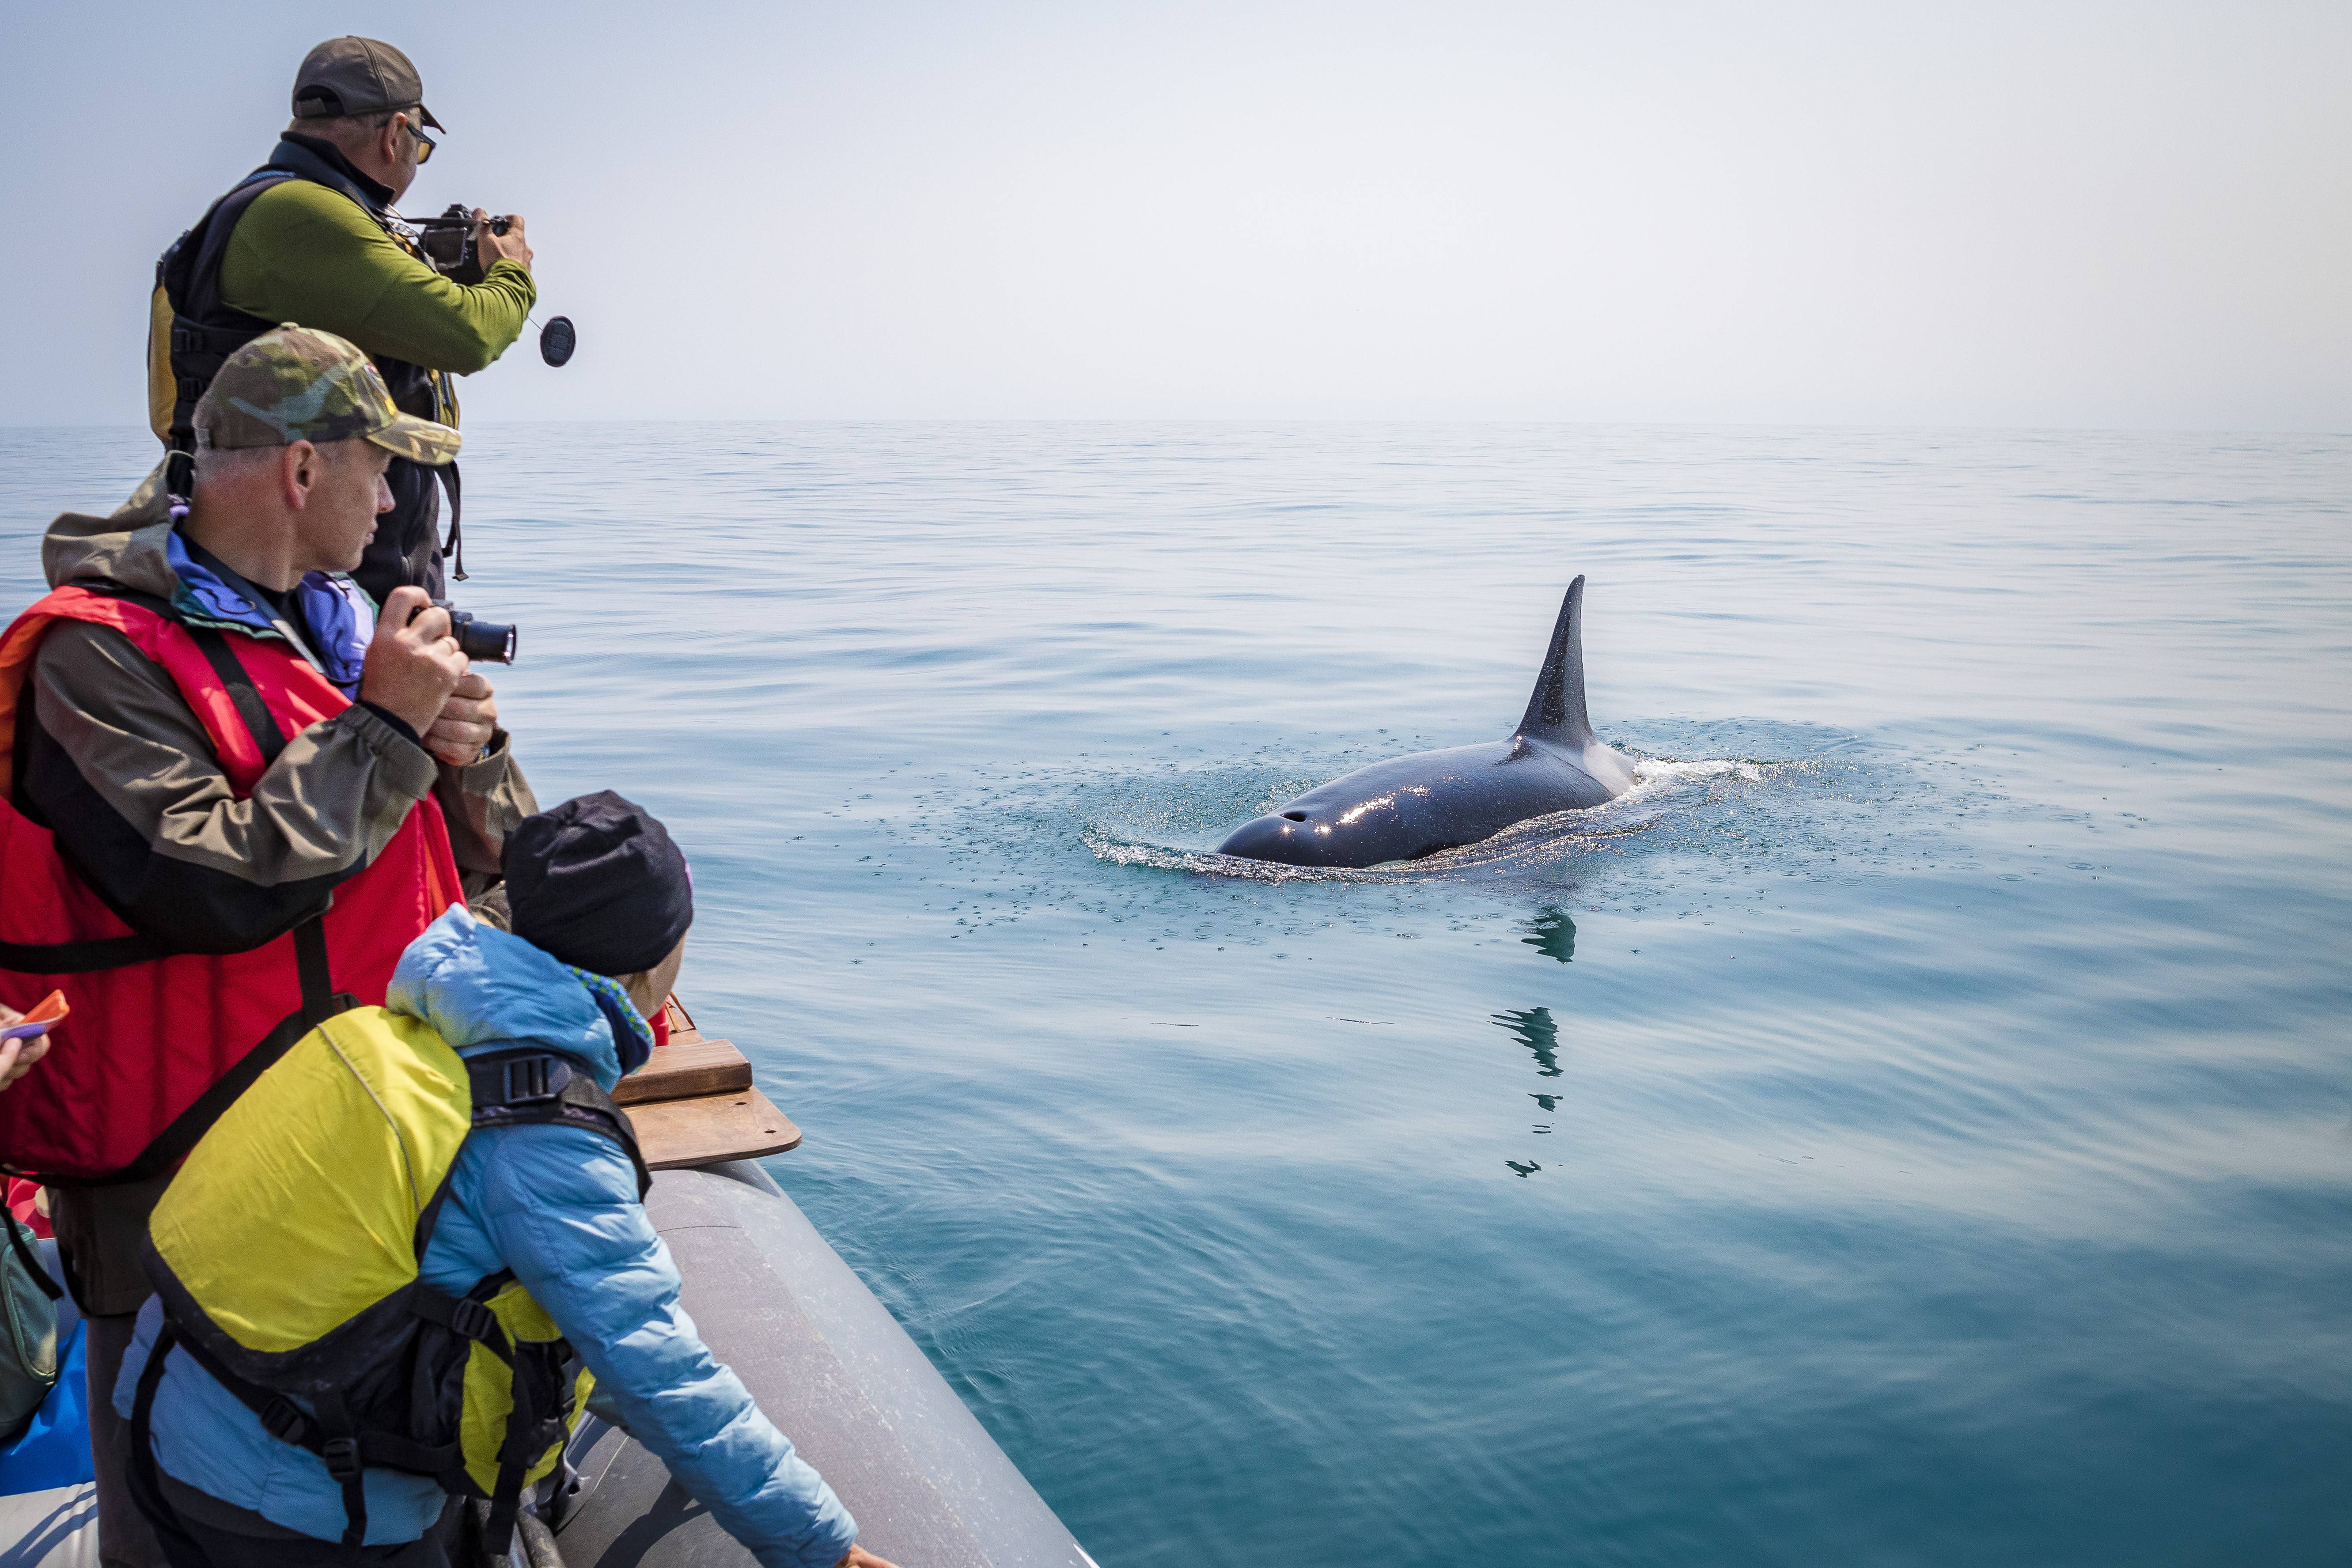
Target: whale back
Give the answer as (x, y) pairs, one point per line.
(1556, 712)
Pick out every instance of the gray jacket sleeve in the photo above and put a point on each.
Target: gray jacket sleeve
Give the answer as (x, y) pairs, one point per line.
(561, 1206)
(122, 773)
(482, 802)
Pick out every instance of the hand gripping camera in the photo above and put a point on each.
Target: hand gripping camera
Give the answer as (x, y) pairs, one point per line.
(447, 242)
(484, 642)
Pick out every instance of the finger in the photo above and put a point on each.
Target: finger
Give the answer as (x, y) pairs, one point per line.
(455, 730)
(458, 711)
(9, 1015)
(463, 737)
(475, 685)
(431, 626)
(9, 1050)
(448, 723)
(472, 718)
(457, 754)
(36, 1049)
(400, 607)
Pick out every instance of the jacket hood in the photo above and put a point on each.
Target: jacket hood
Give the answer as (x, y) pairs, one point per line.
(126, 546)
(137, 547)
(484, 989)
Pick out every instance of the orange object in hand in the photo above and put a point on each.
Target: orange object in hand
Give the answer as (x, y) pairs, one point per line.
(48, 1010)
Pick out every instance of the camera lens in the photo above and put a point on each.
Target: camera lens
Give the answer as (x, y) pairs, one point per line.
(484, 642)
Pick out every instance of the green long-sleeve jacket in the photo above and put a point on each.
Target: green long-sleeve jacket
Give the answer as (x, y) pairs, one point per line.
(304, 253)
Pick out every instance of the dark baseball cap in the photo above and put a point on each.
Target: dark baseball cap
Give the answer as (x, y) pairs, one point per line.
(358, 76)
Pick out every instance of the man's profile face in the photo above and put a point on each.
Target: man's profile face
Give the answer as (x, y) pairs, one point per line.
(407, 151)
(348, 493)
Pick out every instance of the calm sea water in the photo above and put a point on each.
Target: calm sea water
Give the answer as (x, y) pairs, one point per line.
(1916, 1129)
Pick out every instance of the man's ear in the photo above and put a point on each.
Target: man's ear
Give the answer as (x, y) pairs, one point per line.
(299, 472)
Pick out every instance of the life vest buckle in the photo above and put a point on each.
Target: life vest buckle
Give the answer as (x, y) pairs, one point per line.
(475, 1322)
(533, 1077)
(342, 1456)
(285, 1421)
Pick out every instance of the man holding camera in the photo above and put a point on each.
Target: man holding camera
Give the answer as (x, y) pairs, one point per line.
(233, 796)
(312, 237)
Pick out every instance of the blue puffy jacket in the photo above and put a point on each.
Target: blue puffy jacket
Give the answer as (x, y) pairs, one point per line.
(558, 1207)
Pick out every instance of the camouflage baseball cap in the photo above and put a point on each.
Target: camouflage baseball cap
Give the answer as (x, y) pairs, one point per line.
(297, 384)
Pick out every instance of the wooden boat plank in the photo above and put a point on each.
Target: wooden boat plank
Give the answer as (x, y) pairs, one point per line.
(674, 1134)
(686, 1068)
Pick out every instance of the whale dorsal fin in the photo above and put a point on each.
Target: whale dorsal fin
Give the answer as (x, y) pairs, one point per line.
(1555, 712)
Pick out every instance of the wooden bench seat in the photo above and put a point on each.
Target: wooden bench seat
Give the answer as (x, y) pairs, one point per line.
(694, 1103)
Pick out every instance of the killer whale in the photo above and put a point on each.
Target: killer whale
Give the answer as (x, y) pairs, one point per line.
(1411, 806)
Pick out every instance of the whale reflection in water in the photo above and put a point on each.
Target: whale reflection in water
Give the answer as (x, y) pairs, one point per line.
(1408, 807)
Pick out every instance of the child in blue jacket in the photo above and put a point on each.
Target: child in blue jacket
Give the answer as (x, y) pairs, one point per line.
(601, 901)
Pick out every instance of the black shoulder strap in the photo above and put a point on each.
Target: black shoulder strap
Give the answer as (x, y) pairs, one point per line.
(531, 1087)
(344, 1445)
(320, 999)
(321, 1002)
(19, 1244)
(259, 721)
(116, 952)
(455, 545)
(205, 329)
(181, 1550)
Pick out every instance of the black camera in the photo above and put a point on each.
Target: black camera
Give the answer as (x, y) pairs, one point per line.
(484, 642)
(447, 242)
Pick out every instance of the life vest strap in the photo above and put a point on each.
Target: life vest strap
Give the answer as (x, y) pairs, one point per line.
(80, 957)
(180, 1548)
(464, 1317)
(345, 1453)
(320, 1001)
(24, 1251)
(289, 1423)
(527, 1088)
(241, 691)
(269, 736)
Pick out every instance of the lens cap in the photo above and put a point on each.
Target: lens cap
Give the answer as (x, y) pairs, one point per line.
(557, 340)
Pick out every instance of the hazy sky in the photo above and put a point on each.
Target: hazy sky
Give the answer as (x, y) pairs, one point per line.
(2134, 214)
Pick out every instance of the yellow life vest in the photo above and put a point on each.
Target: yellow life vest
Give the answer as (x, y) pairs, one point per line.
(286, 1253)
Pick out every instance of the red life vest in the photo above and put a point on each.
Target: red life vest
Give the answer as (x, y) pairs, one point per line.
(159, 1043)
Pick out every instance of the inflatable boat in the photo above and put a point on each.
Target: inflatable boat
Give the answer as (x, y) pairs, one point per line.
(824, 1359)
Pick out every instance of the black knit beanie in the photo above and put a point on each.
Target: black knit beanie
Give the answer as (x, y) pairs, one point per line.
(597, 883)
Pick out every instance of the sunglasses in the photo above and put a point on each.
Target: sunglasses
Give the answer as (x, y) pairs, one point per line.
(425, 145)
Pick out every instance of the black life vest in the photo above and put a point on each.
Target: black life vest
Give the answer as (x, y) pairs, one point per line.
(204, 330)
